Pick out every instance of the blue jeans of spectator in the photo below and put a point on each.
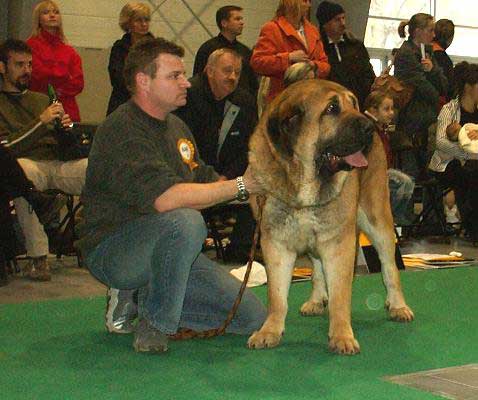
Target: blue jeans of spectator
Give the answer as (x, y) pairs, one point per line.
(401, 190)
(178, 286)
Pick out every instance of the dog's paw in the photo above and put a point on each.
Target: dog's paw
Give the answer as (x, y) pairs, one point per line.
(344, 345)
(262, 340)
(402, 314)
(312, 308)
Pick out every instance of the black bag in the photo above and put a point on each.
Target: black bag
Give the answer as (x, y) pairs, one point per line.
(74, 144)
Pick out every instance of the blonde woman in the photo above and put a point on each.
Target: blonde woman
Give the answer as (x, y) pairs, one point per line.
(288, 39)
(134, 20)
(54, 62)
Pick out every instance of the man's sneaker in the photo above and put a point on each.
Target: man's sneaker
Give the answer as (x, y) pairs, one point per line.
(149, 339)
(38, 269)
(46, 206)
(121, 310)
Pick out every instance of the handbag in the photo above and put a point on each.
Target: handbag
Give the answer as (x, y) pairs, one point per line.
(74, 144)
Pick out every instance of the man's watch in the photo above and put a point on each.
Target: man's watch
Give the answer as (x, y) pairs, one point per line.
(242, 193)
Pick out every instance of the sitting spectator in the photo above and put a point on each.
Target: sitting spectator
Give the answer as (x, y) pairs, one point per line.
(54, 61)
(348, 58)
(145, 184)
(134, 20)
(13, 184)
(379, 108)
(444, 33)
(415, 65)
(450, 161)
(230, 21)
(222, 117)
(26, 127)
(288, 39)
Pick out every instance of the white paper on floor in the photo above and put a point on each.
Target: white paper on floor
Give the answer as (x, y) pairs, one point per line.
(257, 276)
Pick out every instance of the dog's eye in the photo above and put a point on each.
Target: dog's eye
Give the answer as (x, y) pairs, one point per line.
(332, 109)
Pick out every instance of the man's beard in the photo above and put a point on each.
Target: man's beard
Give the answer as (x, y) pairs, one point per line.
(22, 84)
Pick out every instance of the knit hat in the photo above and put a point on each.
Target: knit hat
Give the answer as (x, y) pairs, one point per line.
(327, 11)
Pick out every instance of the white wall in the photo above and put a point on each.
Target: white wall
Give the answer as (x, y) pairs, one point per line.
(92, 27)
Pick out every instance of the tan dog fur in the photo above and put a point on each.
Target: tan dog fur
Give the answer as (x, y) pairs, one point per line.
(304, 214)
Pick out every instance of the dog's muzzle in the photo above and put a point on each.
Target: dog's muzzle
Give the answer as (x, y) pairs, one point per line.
(348, 150)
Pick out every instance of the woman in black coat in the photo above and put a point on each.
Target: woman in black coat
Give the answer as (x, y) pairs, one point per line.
(416, 66)
(134, 21)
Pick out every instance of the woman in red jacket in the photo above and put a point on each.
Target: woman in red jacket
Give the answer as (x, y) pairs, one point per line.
(287, 39)
(54, 61)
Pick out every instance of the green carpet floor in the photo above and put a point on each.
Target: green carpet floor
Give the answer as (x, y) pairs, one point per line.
(59, 350)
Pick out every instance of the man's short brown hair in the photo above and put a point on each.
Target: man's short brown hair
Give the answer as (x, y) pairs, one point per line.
(224, 13)
(142, 56)
(13, 46)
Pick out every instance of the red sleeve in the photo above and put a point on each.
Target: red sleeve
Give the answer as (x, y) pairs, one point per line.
(268, 58)
(72, 84)
(321, 60)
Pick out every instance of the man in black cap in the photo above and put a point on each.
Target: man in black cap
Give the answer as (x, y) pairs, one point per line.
(348, 57)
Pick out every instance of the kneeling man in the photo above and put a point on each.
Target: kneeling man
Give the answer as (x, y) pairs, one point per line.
(144, 187)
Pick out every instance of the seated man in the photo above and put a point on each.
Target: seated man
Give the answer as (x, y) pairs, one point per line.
(13, 184)
(144, 186)
(26, 128)
(222, 117)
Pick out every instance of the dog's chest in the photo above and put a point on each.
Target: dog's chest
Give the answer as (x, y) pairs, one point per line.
(302, 229)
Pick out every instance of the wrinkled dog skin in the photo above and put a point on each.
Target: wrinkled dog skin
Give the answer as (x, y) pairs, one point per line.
(324, 172)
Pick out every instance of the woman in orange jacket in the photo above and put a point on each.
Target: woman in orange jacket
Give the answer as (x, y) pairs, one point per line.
(287, 39)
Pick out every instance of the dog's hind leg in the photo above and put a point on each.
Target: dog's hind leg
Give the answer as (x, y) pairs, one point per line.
(317, 303)
(279, 266)
(379, 229)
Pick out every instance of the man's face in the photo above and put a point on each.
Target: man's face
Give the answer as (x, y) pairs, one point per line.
(168, 90)
(17, 72)
(224, 76)
(234, 23)
(336, 26)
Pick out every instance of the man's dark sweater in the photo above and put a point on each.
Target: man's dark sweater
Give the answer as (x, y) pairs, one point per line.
(133, 160)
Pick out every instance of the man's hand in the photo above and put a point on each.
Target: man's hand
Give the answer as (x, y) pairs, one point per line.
(252, 186)
(473, 135)
(298, 56)
(427, 64)
(66, 122)
(51, 113)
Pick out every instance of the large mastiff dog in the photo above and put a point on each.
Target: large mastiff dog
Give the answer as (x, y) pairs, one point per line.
(324, 172)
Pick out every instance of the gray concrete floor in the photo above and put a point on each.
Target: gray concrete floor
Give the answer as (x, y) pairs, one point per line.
(68, 280)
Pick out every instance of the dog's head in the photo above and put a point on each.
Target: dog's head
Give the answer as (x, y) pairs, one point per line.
(315, 134)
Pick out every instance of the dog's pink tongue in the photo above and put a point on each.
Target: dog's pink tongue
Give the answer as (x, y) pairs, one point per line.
(357, 160)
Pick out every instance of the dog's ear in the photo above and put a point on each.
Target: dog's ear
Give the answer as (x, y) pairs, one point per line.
(283, 127)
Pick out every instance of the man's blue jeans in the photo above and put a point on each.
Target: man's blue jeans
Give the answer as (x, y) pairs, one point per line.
(178, 286)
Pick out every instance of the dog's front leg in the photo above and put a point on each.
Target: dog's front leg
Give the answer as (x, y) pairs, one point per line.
(338, 261)
(279, 265)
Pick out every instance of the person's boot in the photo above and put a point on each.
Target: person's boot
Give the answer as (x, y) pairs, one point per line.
(149, 339)
(38, 269)
(121, 310)
(46, 206)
